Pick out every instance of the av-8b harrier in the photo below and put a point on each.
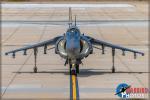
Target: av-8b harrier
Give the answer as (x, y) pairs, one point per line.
(74, 46)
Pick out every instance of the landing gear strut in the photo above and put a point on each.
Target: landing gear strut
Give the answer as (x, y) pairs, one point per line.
(113, 60)
(35, 69)
(77, 68)
(66, 62)
(70, 67)
(74, 69)
(35, 57)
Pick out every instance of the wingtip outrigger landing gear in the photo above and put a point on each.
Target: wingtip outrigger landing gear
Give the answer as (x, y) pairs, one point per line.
(113, 60)
(35, 57)
(35, 69)
(113, 70)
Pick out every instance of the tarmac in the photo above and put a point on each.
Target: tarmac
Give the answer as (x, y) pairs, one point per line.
(123, 23)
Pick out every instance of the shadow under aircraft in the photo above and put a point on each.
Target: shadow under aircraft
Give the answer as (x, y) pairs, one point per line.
(74, 47)
(83, 72)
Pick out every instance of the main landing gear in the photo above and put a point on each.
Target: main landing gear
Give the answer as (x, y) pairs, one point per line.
(77, 68)
(113, 60)
(35, 57)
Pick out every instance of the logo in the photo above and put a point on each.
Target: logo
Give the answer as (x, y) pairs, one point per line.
(124, 90)
(121, 90)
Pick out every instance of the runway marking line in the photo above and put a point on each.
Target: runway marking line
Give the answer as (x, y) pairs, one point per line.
(74, 89)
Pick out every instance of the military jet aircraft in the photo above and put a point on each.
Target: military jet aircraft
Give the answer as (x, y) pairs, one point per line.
(73, 47)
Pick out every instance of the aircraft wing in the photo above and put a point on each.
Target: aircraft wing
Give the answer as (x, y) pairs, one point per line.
(106, 44)
(35, 46)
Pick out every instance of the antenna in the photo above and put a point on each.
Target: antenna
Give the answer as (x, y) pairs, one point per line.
(70, 16)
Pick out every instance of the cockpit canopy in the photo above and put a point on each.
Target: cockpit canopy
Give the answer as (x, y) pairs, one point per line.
(73, 32)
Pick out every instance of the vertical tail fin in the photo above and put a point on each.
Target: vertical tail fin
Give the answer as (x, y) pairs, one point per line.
(70, 16)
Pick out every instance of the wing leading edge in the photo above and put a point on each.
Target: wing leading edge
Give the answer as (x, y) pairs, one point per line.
(106, 44)
(35, 46)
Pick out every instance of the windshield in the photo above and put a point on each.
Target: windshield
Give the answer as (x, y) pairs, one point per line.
(73, 33)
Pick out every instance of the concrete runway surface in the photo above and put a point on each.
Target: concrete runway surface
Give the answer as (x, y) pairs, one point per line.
(126, 24)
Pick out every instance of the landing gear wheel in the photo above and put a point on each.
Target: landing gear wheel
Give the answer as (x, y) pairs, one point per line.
(77, 69)
(113, 70)
(73, 72)
(35, 69)
(70, 68)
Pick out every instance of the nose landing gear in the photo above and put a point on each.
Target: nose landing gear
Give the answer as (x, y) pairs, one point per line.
(74, 69)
